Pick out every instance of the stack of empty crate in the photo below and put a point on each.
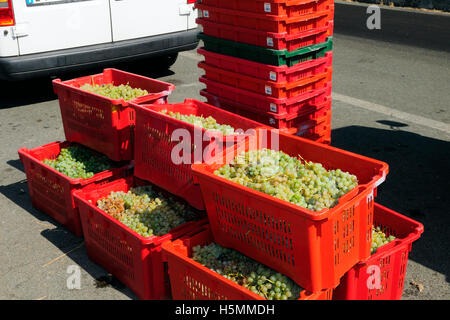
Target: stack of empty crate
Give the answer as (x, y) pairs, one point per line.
(270, 61)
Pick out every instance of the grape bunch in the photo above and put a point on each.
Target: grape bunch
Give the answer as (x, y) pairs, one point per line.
(115, 92)
(306, 184)
(146, 211)
(246, 272)
(79, 162)
(379, 239)
(208, 123)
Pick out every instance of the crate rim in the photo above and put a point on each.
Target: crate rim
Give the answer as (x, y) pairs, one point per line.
(206, 132)
(120, 102)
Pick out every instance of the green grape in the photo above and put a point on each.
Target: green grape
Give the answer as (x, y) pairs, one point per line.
(246, 272)
(306, 184)
(208, 123)
(379, 239)
(146, 211)
(79, 162)
(115, 92)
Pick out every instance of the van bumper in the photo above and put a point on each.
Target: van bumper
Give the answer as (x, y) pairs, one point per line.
(55, 62)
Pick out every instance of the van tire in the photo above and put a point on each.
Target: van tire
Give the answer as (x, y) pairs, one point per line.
(164, 62)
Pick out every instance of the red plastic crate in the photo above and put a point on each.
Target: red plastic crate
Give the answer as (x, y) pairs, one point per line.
(262, 104)
(310, 122)
(192, 281)
(391, 259)
(273, 89)
(315, 249)
(290, 8)
(271, 40)
(267, 22)
(51, 191)
(133, 259)
(101, 123)
(282, 74)
(154, 145)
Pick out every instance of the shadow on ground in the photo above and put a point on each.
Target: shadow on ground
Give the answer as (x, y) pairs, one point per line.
(19, 93)
(417, 184)
(63, 239)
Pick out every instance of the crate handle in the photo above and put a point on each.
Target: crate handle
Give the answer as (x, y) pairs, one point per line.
(151, 97)
(307, 33)
(291, 3)
(306, 17)
(305, 81)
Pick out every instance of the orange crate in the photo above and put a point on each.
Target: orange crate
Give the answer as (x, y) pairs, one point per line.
(315, 249)
(276, 41)
(268, 22)
(290, 8)
(192, 281)
(52, 191)
(279, 90)
(133, 259)
(309, 122)
(392, 260)
(154, 145)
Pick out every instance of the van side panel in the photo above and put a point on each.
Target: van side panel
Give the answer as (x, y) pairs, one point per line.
(43, 27)
(132, 19)
(8, 45)
(192, 17)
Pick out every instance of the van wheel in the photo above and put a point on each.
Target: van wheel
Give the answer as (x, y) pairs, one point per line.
(164, 62)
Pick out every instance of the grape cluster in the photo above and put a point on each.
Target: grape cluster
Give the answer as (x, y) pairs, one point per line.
(79, 162)
(208, 123)
(146, 211)
(115, 92)
(306, 184)
(379, 239)
(246, 272)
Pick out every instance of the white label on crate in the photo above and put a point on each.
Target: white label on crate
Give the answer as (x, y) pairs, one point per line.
(267, 7)
(273, 76)
(268, 90)
(381, 180)
(269, 42)
(273, 107)
(206, 13)
(272, 121)
(370, 197)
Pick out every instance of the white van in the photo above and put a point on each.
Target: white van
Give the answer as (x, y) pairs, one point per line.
(46, 37)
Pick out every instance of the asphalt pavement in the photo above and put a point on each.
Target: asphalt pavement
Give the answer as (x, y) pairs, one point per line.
(391, 102)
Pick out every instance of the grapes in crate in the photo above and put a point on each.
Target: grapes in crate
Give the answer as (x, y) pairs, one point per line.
(379, 239)
(246, 272)
(208, 123)
(146, 211)
(306, 184)
(79, 162)
(123, 91)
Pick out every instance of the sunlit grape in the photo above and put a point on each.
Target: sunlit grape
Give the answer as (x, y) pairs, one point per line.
(146, 211)
(379, 239)
(246, 272)
(306, 184)
(208, 123)
(79, 162)
(115, 92)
